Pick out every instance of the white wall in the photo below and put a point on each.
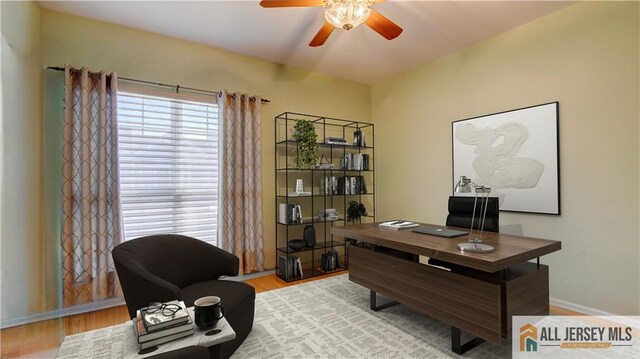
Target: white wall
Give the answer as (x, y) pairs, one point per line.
(587, 58)
(21, 237)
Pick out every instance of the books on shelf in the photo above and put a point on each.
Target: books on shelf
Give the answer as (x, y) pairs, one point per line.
(355, 162)
(179, 325)
(328, 214)
(351, 185)
(335, 141)
(330, 185)
(289, 213)
(290, 267)
(330, 261)
(156, 320)
(398, 225)
(359, 139)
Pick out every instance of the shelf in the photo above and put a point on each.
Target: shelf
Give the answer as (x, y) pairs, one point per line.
(332, 154)
(327, 195)
(327, 145)
(296, 196)
(311, 221)
(317, 269)
(328, 244)
(309, 273)
(306, 273)
(317, 170)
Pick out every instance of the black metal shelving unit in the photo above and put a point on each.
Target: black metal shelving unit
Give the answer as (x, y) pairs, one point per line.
(314, 180)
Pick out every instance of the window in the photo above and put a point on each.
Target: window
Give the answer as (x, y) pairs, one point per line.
(168, 152)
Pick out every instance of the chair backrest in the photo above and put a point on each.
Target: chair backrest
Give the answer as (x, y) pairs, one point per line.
(180, 260)
(156, 268)
(461, 212)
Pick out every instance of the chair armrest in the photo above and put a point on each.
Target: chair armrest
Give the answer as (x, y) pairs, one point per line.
(222, 263)
(140, 287)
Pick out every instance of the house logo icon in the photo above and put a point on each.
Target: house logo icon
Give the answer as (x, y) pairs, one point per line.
(528, 338)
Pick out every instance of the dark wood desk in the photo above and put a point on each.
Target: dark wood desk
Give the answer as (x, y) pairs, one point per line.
(480, 294)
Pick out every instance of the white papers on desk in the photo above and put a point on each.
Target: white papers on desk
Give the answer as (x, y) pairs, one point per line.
(398, 225)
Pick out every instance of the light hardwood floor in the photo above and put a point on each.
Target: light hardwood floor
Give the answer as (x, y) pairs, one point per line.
(42, 339)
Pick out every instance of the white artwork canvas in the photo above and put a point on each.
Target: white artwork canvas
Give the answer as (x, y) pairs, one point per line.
(515, 153)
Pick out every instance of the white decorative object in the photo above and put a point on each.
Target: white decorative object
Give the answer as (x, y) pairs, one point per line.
(299, 186)
(515, 153)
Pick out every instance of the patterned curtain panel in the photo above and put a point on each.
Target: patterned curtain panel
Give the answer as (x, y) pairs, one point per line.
(92, 224)
(241, 182)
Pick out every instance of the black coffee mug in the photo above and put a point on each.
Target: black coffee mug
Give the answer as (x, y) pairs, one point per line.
(207, 311)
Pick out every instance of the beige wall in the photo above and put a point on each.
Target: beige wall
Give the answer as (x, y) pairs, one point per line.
(72, 40)
(587, 58)
(21, 238)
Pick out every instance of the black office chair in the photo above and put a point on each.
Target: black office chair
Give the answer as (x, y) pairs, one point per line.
(460, 215)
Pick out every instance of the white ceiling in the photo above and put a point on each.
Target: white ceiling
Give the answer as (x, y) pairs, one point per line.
(431, 29)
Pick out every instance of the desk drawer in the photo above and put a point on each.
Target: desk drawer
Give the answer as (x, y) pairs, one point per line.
(467, 303)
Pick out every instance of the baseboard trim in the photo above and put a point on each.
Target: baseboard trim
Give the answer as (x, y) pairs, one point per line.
(91, 307)
(60, 313)
(578, 308)
(244, 277)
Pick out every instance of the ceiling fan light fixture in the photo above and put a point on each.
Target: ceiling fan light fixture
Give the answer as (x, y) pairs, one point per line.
(347, 14)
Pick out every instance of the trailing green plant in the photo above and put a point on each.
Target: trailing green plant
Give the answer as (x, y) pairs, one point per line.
(355, 211)
(306, 153)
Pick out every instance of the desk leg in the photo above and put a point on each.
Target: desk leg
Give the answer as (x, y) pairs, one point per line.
(459, 348)
(375, 307)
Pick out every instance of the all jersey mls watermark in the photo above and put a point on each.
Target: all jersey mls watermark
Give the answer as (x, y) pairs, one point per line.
(576, 337)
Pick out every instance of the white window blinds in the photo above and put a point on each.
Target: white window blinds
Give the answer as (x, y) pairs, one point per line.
(168, 152)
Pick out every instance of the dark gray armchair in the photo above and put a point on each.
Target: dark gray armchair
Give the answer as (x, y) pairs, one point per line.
(167, 267)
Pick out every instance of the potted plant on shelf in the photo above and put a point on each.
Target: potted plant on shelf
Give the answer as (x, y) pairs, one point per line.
(305, 134)
(355, 211)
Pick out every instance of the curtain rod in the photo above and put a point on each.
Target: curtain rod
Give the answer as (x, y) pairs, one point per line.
(177, 87)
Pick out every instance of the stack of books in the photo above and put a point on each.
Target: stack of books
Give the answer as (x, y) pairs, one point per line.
(351, 185)
(290, 267)
(355, 161)
(289, 213)
(155, 328)
(398, 225)
(335, 141)
(328, 214)
(330, 261)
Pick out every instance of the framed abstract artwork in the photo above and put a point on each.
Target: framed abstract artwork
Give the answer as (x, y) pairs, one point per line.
(515, 153)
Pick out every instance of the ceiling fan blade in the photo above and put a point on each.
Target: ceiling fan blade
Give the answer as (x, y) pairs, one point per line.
(291, 3)
(383, 26)
(322, 35)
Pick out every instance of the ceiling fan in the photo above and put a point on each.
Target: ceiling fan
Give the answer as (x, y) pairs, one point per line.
(343, 14)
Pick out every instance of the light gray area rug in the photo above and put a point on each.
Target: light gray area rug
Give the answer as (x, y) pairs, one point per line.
(330, 318)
